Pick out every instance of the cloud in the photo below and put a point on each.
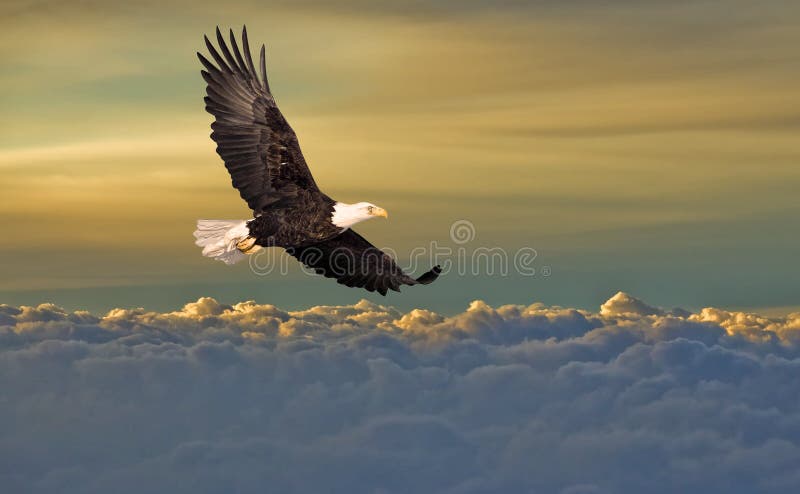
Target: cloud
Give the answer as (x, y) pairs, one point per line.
(217, 398)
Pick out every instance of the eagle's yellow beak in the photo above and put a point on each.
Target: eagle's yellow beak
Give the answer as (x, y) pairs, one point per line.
(380, 212)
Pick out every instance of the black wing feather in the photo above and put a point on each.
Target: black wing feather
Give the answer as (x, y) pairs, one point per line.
(239, 61)
(263, 62)
(354, 262)
(248, 57)
(259, 148)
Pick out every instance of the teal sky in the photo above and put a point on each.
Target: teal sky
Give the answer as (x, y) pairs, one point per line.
(649, 147)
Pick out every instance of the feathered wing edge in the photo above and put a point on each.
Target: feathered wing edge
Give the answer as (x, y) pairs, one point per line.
(430, 276)
(258, 146)
(243, 66)
(353, 261)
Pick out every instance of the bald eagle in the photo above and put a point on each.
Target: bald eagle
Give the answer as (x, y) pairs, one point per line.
(263, 157)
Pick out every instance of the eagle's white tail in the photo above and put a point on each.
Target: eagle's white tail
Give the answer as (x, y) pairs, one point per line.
(224, 240)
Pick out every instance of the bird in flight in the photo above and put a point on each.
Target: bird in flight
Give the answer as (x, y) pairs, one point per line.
(263, 157)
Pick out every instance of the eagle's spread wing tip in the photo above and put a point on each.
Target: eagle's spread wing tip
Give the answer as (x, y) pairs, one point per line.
(257, 144)
(354, 262)
(430, 276)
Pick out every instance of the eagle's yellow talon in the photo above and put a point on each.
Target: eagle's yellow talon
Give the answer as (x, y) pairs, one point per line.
(247, 245)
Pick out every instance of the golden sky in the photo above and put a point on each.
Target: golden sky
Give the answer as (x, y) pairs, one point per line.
(646, 144)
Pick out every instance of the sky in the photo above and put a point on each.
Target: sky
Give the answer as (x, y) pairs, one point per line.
(641, 146)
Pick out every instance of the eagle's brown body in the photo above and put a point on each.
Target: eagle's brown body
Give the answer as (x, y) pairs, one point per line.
(304, 221)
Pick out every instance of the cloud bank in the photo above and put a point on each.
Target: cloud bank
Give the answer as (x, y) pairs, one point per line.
(364, 398)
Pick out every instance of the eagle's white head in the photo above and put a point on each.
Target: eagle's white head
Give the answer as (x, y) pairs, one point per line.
(347, 215)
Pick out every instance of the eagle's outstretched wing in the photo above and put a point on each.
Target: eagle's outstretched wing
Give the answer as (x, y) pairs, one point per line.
(355, 262)
(259, 148)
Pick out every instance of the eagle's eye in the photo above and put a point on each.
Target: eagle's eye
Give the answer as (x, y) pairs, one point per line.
(370, 209)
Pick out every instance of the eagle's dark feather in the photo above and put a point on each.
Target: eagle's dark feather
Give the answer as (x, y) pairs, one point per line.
(259, 148)
(263, 157)
(355, 262)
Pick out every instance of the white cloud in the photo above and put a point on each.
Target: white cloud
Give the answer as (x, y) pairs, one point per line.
(218, 398)
(622, 304)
